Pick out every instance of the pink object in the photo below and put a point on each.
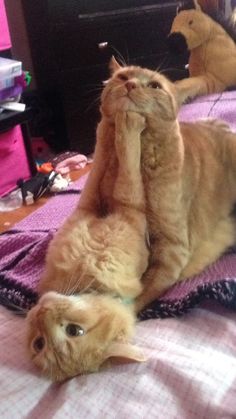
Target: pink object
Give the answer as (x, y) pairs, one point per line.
(13, 160)
(5, 40)
(72, 163)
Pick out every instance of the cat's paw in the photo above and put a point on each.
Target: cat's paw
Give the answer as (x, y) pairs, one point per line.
(135, 122)
(130, 122)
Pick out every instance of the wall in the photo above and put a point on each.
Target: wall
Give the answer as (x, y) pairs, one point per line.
(20, 42)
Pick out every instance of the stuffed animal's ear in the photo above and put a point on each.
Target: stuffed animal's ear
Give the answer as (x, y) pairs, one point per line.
(124, 352)
(114, 65)
(197, 6)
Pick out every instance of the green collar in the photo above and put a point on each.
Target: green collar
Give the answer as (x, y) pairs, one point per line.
(124, 300)
(127, 300)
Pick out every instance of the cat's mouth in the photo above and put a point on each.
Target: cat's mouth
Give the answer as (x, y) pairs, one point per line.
(129, 96)
(126, 103)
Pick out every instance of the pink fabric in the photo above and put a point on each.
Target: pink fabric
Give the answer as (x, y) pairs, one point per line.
(5, 40)
(215, 106)
(190, 374)
(72, 163)
(13, 160)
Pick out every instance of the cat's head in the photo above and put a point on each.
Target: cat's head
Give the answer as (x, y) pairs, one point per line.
(71, 335)
(139, 90)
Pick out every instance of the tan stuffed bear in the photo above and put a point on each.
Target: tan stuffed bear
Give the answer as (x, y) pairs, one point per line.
(212, 62)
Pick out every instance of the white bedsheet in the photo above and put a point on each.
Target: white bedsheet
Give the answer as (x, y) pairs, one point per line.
(191, 373)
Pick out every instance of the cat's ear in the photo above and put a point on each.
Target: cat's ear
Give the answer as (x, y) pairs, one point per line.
(124, 351)
(114, 65)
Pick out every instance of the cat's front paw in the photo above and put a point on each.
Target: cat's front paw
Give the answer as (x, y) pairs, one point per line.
(135, 122)
(130, 122)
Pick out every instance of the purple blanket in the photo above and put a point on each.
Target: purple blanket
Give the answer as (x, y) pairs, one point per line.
(23, 248)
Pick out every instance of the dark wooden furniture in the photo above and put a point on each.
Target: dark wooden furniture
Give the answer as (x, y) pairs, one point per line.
(71, 44)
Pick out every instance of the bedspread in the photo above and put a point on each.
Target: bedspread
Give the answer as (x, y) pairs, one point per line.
(190, 372)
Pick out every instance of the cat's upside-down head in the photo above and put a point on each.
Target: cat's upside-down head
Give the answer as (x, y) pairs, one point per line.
(71, 335)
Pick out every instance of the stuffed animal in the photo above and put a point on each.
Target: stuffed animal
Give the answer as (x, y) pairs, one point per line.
(212, 61)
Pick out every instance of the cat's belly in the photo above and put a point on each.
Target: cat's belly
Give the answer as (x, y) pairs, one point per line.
(106, 255)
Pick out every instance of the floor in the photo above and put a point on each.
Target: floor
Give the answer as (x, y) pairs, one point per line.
(8, 219)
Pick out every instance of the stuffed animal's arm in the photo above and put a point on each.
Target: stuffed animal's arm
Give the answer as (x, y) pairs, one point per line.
(197, 86)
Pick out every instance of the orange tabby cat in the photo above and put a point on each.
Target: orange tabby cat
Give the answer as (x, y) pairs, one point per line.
(105, 258)
(189, 173)
(190, 188)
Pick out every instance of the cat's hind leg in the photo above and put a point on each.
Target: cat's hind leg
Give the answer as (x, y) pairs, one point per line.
(168, 258)
(174, 264)
(210, 250)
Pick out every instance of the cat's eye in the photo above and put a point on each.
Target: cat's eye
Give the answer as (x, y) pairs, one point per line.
(74, 330)
(155, 85)
(122, 77)
(39, 344)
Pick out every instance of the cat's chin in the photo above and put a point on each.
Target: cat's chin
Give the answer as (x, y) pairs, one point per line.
(126, 104)
(123, 104)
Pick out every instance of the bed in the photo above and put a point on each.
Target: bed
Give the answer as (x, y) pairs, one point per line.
(188, 336)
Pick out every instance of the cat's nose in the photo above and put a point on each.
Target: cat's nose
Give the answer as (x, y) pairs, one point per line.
(130, 85)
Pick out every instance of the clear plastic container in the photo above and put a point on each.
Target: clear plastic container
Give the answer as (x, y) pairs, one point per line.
(11, 201)
(9, 68)
(6, 83)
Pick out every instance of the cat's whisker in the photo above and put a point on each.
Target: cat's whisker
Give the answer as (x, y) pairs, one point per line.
(86, 288)
(72, 290)
(95, 89)
(56, 356)
(127, 54)
(63, 290)
(68, 288)
(93, 103)
(158, 68)
(94, 84)
(50, 372)
(120, 56)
